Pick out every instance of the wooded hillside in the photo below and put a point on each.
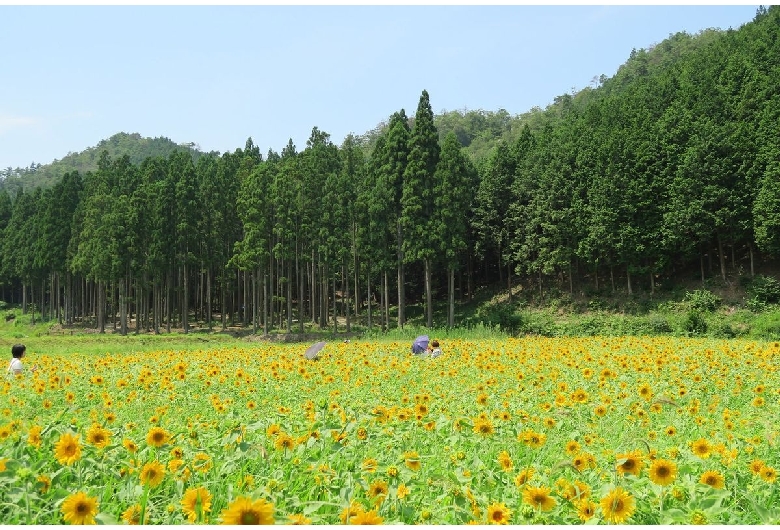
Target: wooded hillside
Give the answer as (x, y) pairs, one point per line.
(671, 164)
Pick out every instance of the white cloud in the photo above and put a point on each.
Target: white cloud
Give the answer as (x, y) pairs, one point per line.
(13, 123)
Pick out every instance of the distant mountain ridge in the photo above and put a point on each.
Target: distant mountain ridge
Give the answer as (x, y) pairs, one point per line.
(137, 147)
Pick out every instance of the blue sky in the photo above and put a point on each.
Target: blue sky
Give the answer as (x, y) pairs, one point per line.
(74, 75)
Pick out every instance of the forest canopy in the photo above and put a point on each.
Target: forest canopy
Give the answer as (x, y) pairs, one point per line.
(672, 163)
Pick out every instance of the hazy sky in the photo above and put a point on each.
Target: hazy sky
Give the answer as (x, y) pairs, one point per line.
(71, 76)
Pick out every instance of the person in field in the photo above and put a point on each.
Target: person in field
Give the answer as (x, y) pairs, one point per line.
(16, 366)
(434, 350)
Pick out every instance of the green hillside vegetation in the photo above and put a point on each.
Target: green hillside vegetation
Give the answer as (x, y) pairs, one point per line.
(653, 194)
(136, 147)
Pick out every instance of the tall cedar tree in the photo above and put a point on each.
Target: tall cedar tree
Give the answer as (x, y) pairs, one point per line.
(454, 183)
(418, 220)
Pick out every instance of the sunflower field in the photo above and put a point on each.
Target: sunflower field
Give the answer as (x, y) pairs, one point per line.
(515, 431)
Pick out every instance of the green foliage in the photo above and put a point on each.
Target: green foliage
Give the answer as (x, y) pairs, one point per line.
(702, 300)
(764, 290)
(136, 147)
(694, 323)
(501, 316)
(767, 326)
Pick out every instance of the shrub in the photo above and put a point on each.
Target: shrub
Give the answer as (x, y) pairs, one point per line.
(694, 323)
(702, 300)
(501, 314)
(767, 326)
(764, 289)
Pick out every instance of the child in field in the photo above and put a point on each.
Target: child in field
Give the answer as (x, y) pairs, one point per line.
(17, 352)
(434, 349)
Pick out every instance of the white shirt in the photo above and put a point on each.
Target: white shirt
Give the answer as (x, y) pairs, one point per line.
(16, 366)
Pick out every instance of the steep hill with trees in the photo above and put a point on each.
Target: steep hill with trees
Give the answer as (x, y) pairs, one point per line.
(135, 146)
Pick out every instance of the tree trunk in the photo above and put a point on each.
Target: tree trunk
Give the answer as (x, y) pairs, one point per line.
(208, 299)
(612, 277)
(299, 277)
(356, 273)
(401, 279)
(255, 300)
(509, 280)
(345, 280)
(721, 259)
(628, 280)
(223, 298)
(750, 249)
(470, 276)
(368, 298)
(335, 312)
(451, 308)
(265, 304)
(387, 304)
(428, 294)
(101, 307)
(168, 290)
(289, 296)
(701, 266)
(123, 306)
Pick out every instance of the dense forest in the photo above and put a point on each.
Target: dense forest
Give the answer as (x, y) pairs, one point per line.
(673, 163)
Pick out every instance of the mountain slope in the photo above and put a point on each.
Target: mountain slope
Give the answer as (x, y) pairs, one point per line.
(135, 146)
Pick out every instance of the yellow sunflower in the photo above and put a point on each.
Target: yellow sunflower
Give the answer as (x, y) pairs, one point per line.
(201, 462)
(244, 510)
(524, 476)
(98, 436)
(157, 437)
(617, 506)
(539, 497)
(44, 483)
(67, 450)
(756, 466)
(78, 508)
(483, 426)
(378, 488)
(34, 436)
(498, 513)
(412, 460)
(713, 478)
(350, 511)
(505, 461)
(284, 442)
(132, 515)
(768, 473)
(586, 510)
(369, 517)
(370, 465)
(298, 519)
(701, 448)
(630, 462)
(152, 474)
(273, 429)
(572, 447)
(663, 472)
(402, 491)
(195, 503)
